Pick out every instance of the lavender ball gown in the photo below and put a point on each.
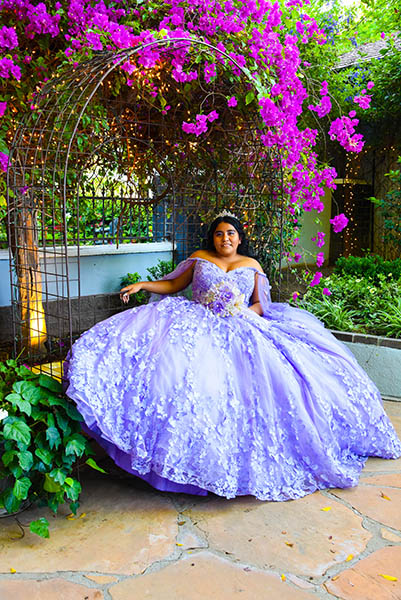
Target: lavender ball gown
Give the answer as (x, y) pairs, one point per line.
(194, 401)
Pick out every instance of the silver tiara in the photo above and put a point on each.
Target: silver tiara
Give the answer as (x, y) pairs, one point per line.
(226, 213)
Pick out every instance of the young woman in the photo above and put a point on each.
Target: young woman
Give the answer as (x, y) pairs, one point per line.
(227, 392)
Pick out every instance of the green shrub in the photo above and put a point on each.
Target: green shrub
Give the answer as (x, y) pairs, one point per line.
(368, 267)
(163, 267)
(40, 443)
(359, 304)
(130, 278)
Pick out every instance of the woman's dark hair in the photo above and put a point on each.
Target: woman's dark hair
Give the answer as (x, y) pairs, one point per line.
(243, 248)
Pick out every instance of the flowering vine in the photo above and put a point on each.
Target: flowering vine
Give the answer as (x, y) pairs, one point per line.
(263, 39)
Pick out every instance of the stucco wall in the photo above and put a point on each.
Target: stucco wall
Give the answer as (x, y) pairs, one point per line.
(100, 268)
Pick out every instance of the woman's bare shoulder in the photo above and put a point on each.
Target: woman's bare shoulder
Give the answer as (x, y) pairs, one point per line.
(200, 254)
(254, 263)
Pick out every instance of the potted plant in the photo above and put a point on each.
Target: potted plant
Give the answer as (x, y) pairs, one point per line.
(40, 444)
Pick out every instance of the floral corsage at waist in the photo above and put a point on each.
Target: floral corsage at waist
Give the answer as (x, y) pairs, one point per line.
(224, 300)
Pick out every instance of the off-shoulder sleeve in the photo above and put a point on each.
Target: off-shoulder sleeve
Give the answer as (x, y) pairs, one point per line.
(263, 290)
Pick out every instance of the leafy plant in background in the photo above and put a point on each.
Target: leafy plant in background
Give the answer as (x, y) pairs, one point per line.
(129, 279)
(163, 267)
(366, 304)
(40, 443)
(334, 315)
(370, 267)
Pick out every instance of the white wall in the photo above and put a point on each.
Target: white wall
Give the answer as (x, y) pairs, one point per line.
(100, 268)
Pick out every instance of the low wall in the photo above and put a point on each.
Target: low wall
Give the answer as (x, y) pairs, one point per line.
(380, 357)
(100, 270)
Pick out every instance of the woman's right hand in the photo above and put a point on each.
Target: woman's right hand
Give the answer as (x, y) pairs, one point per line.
(125, 292)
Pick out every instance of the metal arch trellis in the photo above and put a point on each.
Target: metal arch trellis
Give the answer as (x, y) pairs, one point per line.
(46, 183)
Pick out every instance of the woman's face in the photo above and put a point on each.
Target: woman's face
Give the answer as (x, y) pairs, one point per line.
(226, 239)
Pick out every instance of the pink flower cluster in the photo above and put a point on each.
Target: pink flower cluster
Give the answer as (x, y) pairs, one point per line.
(339, 222)
(8, 68)
(324, 107)
(364, 99)
(342, 129)
(258, 36)
(3, 162)
(319, 239)
(8, 37)
(200, 126)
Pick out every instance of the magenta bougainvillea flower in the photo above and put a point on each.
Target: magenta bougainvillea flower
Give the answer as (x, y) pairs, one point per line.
(254, 41)
(319, 259)
(8, 38)
(3, 162)
(363, 101)
(316, 279)
(339, 222)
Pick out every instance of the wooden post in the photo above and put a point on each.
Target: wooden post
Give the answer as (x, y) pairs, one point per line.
(33, 321)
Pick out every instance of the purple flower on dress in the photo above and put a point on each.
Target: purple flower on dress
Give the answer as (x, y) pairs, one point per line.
(223, 299)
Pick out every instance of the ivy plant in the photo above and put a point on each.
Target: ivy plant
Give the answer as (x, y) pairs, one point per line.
(41, 443)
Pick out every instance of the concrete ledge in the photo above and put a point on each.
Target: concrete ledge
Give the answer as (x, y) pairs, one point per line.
(380, 357)
(364, 338)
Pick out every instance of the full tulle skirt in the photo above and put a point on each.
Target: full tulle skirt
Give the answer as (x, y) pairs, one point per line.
(190, 401)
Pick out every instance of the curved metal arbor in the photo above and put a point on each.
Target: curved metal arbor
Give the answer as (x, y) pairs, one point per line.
(89, 132)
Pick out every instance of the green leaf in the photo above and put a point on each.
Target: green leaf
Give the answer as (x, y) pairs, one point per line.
(15, 470)
(53, 502)
(25, 373)
(50, 384)
(53, 400)
(74, 507)
(249, 97)
(10, 501)
(72, 412)
(50, 485)
(58, 475)
(33, 394)
(53, 437)
(74, 488)
(16, 429)
(21, 488)
(63, 423)
(45, 455)
(23, 405)
(75, 444)
(91, 463)
(25, 459)
(40, 527)
(23, 386)
(8, 457)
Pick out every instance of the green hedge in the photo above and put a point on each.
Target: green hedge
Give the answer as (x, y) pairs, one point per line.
(368, 266)
(370, 304)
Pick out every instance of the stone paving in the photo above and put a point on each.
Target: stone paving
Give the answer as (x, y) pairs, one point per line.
(130, 542)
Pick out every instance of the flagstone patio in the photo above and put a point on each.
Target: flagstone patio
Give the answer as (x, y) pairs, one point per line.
(130, 542)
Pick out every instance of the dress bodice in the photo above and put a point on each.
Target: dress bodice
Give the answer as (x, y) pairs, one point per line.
(207, 274)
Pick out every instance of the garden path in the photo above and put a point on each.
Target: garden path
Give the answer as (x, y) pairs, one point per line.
(130, 542)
